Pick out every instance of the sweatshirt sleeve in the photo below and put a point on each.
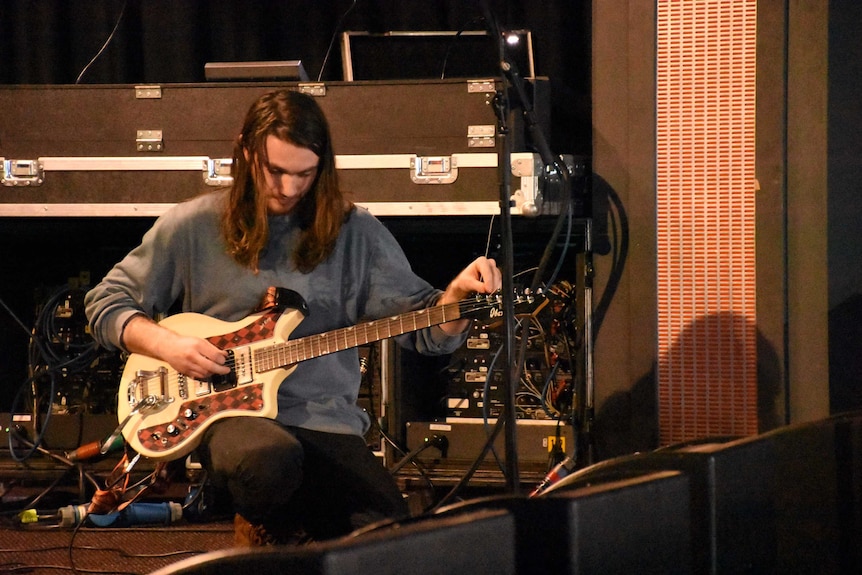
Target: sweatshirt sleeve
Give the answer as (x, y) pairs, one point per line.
(145, 282)
(394, 288)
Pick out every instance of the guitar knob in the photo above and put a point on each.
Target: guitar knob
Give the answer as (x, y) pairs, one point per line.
(190, 413)
(172, 429)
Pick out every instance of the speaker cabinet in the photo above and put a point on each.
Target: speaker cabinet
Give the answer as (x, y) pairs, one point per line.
(785, 501)
(479, 542)
(634, 525)
(637, 524)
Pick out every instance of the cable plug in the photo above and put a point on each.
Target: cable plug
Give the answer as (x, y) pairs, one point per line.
(562, 469)
(441, 442)
(31, 516)
(21, 432)
(28, 516)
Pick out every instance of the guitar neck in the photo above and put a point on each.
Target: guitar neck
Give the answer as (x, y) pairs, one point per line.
(294, 351)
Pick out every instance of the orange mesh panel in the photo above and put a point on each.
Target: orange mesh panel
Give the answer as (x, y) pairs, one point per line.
(705, 140)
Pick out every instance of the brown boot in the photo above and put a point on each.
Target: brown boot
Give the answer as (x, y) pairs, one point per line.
(246, 534)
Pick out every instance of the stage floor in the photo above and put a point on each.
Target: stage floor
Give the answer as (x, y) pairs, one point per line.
(132, 550)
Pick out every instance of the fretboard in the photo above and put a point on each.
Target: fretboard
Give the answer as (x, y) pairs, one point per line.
(294, 351)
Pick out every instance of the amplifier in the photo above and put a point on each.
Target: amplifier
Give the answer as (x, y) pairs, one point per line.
(63, 432)
(466, 438)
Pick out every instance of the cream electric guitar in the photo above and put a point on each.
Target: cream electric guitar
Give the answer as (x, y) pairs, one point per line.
(163, 413)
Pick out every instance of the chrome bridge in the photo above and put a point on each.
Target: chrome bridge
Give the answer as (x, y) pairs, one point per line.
(152, 387)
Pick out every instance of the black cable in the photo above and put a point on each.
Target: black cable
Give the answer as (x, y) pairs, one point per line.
(486, 394)
(364, 369)
(335, 32)
(105, 45)
(556, 453)
(465, 479)
(81, 354)
(19, 568)
(618, 261)
(423, 473)
(566, 240)
(14, 317)
(549, 381)
(46, 362)
(35, 500)
(451, 44)
(60, 459)
(410, 457)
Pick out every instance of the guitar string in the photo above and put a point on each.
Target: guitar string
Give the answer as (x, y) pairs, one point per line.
(329, 343)
(438, 313)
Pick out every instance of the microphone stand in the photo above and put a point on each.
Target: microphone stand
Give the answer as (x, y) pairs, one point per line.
(513, 371)
(556, 174)
(511, 374)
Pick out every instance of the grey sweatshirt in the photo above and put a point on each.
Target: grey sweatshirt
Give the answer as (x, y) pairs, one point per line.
(182, 265)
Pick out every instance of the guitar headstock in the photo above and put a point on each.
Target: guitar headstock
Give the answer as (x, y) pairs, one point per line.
(490, 306)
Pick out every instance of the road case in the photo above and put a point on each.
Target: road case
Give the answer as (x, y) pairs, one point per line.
(403, 148)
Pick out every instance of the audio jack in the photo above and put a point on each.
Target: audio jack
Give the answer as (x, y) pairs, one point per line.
(70, 516)
(563, 468)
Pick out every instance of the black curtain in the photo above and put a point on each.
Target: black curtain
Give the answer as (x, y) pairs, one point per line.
(169, 41)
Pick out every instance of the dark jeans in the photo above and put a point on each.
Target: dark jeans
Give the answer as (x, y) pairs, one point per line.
(328, 484)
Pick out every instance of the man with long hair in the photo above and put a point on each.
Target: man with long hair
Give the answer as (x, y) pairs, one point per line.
(284, 222)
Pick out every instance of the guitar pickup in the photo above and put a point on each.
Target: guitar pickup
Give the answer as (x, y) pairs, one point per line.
(240, 358)
(228, 380)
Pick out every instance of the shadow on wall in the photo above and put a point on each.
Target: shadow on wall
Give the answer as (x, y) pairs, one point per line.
(627, 422)
(845, 355)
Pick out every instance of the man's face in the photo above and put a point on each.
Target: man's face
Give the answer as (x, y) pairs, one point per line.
(289, 173)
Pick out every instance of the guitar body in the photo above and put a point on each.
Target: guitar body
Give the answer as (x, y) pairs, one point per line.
(183, 406)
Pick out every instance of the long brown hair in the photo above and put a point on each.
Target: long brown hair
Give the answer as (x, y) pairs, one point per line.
(295, 118)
